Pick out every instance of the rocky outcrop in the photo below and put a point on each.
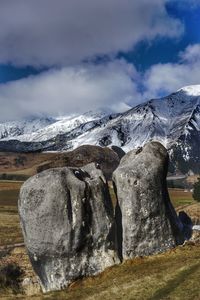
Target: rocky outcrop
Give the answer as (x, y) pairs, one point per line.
(147, 222)
(68, 225)
(119, 151)
(70, 229)
(107, 159)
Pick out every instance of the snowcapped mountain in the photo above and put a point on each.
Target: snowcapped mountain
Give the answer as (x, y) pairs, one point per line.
(164, 120)
(16, 129)
(42, 129)
(173, 120)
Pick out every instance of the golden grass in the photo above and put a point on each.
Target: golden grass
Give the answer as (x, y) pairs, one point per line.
(10, 185)
(173, 275)
(180, 197)
(10, 230)
(24, 162)
(192, 179)
(193, 211)
(28, 171)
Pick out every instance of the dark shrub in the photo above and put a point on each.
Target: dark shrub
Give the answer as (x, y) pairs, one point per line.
(10, 277)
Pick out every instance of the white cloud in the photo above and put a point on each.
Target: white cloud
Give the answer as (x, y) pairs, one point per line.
(63, 32)
(167, 78)
(71, 89)
(114, 85)
(191, 54)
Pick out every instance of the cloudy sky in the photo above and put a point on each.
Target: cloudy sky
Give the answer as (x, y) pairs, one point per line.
(60, 57)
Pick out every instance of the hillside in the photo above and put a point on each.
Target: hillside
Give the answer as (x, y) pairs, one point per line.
(173, 120)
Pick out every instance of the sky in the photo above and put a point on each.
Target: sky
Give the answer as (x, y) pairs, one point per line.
(62, 57)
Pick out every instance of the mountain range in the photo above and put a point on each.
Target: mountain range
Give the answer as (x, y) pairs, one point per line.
(173, 120)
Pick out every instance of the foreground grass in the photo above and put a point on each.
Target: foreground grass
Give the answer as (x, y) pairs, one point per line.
(173, 275)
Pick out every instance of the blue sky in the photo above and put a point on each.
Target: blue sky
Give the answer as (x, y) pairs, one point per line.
(145, 53)
(134, 51)
(164, 50)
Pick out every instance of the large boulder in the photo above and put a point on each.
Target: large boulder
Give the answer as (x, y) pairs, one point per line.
(68, 225)
(147, 222)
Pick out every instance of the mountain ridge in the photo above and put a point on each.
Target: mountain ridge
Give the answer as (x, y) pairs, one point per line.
(173, 120)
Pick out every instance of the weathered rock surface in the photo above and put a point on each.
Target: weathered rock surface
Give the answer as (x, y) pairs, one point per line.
(68, 224)
(196, 235)
(147, 222)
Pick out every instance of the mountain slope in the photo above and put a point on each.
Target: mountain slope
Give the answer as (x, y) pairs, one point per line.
(42, 129)
(16, 129)
(173, 120)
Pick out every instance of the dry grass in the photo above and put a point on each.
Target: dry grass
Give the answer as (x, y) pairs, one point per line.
(180, 197)
(25, 164)
(192, 179)
(193, 211)
(10, 185)
(19, 258)
(173, 276)
(10, 231)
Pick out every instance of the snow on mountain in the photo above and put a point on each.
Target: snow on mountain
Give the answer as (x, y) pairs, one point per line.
(38, 130)
(15, 129)
(191, 90)
(173, 120)
(164, 120)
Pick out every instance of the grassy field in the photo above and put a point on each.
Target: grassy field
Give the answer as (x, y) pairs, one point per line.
(10, 231)
(180, 197)
(25, 163)
(173, 275)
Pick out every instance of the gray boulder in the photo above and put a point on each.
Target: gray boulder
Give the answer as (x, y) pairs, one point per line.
(68, 225)
(147, 222)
